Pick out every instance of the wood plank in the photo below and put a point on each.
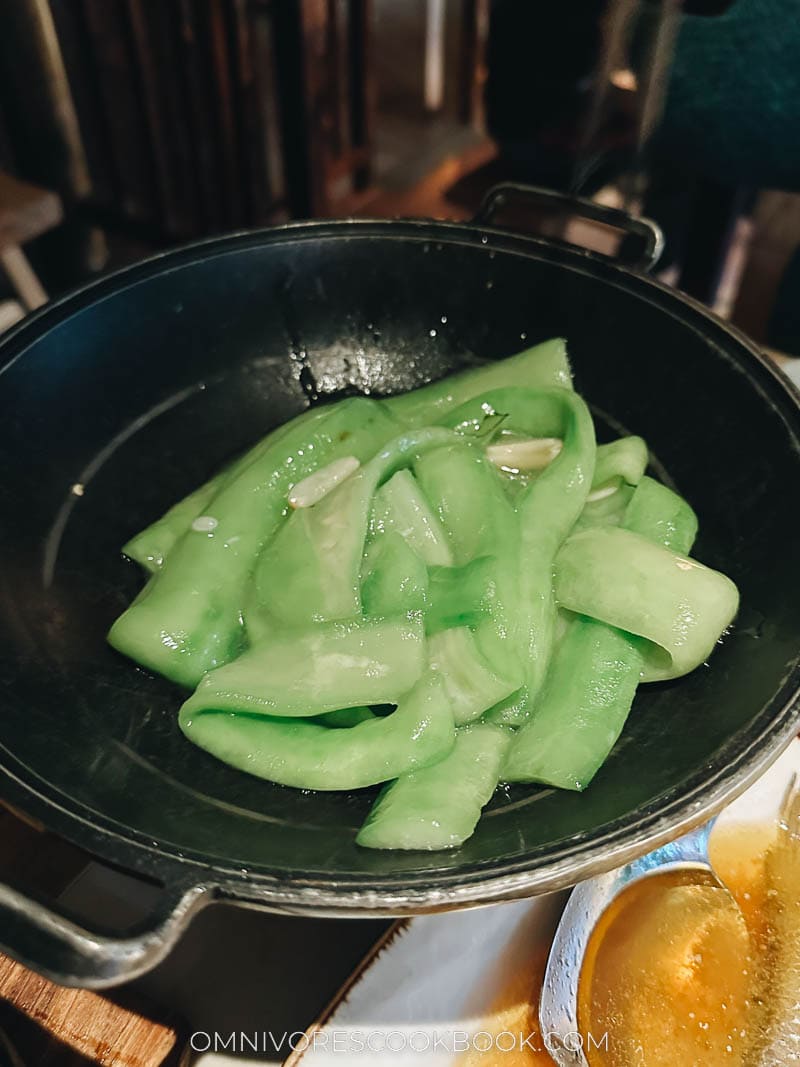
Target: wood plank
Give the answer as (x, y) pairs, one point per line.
(22, 276)
(234, 196)
(41, 113)
(25, 211)
(316, 118)
(165, 27)
(254, 191)
(76, 48)
(62, 1026)
(146, 74)
(111, 49)
(194, 71)
(263, 45)
(6, 151)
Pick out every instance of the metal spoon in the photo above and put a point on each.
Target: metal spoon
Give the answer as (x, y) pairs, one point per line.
(558, 1005)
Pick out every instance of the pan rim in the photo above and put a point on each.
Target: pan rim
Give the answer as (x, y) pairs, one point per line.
(363, 894)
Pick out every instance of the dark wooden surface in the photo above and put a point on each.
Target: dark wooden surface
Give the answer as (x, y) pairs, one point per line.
(26, 211)
(197, 116)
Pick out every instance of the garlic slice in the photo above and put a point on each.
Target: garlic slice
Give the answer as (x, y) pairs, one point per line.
(526, 454)
(317, 485)
(601, 493)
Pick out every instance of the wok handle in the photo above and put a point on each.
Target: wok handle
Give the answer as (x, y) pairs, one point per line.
(568, 206)
(48, 942)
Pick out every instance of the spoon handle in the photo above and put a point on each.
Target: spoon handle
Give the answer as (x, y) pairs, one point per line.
(692, 848)
(558, 1006)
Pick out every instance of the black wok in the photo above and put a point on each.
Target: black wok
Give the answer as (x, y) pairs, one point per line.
(136, 388)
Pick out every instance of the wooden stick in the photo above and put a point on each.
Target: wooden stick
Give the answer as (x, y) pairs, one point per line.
(49, 1024)
(22, 277)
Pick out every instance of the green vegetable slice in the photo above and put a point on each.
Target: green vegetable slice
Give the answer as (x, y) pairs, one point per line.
(595, 669)
(439, 806)
(623, 460)
(547, 509)
(543, 365)
(621, 578)
(401, 507)
(324, 668)
(189, 617)
(311, 570)
(151, 547)
(416, 577)
(539, 367)
(480, 523)
(472, 684)
(306, 755)
(394, 578)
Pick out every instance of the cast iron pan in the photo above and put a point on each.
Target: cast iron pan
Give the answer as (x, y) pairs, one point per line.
(139, 386)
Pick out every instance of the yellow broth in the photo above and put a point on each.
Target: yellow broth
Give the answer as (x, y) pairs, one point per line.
(675, 976)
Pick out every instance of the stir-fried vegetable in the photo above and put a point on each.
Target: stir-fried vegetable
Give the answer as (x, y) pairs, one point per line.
(463, 559)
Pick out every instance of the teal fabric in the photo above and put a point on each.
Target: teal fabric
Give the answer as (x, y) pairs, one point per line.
(733, 106)
(732, 114)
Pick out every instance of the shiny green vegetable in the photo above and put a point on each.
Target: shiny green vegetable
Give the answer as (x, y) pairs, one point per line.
(540, 367)
(439, 590)
(627, 581)
(336, 665)
(471, 682)
(439, 806)
(623, 461)
(152, 546)
(596, 669)
(480, 522)
(401, 507)
(189, 617)
(394, 578)
(311, 570)
(546, 509)
(307, 755)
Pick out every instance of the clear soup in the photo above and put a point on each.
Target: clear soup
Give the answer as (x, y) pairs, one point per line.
(675, 976)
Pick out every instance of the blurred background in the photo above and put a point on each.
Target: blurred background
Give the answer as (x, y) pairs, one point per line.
(128, 126)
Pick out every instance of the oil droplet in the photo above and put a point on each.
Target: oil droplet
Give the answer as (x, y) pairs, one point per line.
(523, 336)
(484, 239)
(443, 319)
(490, 285)
(205, 523)
(432, 333)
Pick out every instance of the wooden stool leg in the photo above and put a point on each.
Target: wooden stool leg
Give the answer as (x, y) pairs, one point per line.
(22, 277)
